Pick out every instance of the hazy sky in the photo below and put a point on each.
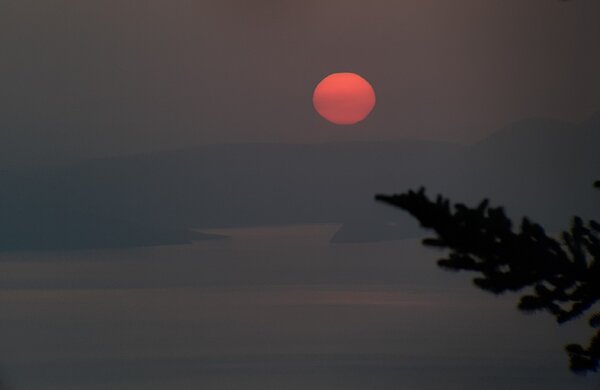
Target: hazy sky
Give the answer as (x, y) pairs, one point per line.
(82, 79)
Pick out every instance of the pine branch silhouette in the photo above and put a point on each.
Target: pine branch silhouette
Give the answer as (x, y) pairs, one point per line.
(562, 276)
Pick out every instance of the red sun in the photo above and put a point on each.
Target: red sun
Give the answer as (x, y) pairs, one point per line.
(344, 98)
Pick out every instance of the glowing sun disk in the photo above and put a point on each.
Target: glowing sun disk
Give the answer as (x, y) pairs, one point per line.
(344, 98)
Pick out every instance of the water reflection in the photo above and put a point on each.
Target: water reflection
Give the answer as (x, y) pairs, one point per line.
(267, 309)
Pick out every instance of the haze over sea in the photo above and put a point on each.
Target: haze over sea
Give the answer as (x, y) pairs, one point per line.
(268, 308)
(175, 213)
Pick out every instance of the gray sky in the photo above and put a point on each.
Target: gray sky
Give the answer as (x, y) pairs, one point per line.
(84, 79)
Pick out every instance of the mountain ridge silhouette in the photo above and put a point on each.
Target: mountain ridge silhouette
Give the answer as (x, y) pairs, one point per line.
(237, 185)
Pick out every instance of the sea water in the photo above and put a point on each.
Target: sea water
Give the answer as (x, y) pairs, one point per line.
(269, 308)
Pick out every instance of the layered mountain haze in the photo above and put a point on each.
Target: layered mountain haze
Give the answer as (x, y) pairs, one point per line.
(540, 168)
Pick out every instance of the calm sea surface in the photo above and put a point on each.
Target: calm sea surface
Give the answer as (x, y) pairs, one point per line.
(269, 308)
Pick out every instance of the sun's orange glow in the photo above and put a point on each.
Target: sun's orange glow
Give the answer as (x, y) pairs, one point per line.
(344, 98)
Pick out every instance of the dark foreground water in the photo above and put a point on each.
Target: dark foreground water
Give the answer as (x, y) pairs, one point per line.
(270, 308)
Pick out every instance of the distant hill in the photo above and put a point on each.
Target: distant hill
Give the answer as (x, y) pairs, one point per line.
(540, 168)
(41, 228)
